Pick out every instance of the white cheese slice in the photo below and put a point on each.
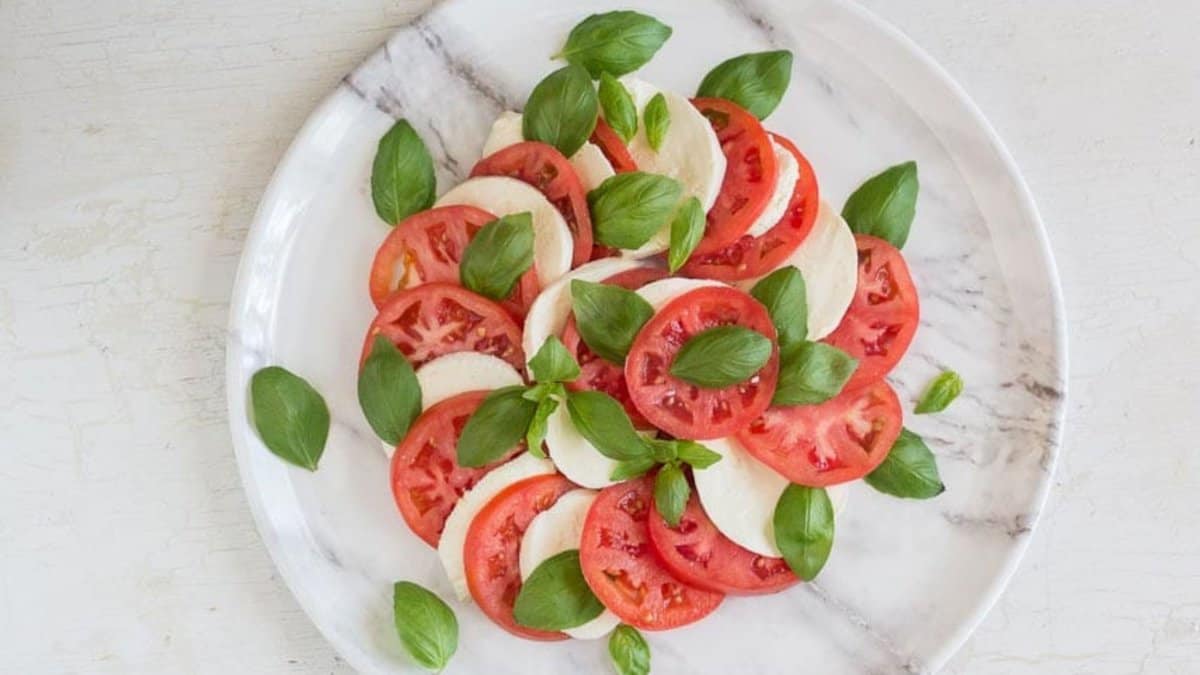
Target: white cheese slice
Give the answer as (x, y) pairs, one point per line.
(589, 162)
(660, 292)
(781, 195)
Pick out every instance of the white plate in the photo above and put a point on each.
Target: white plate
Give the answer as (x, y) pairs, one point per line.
(907, 581)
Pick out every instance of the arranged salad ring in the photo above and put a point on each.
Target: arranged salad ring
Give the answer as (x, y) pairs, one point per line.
(626, 368)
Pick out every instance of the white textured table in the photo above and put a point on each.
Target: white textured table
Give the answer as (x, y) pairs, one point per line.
(136, 139)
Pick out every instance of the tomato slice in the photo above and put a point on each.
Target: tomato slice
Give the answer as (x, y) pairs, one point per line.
(840, 440)
(622, 569)
(883, 316)
(426, 478)
(750, 257)
(614, 149)
(435, 319)
(699, 554)
(545, 168)
(493, 546)
(685, 410)
(750, 172)
(428, 247)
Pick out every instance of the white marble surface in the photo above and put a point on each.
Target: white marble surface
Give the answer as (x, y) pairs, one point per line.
(136, 142)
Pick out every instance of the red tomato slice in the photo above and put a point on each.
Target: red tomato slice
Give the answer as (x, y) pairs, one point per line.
(613, 147)
(749, 172)
(622, 569)
(493, 545)
(882, 319)
(426, 478)
(750, 257)
(840, 440)
(428, 246)
(685, 410)
(545, 168)
(436, 319)
(699, 554)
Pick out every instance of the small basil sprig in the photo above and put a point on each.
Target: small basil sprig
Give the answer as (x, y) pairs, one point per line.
(614, 42)
(803, 524)
(812, 373)
(687, 229)
(426, 625)
(402, 180)
(784, 295)
(291, 417)
(608, 317)
(618, 107)
(909, 471)
(388, 391)
(497, 256)
(885, 205)
(754, 81)
(552, 365)
(722, 356)
(561, 110)
(940, 393)
(629, 651)
(556, 596)
(628, 208)
(658, 120)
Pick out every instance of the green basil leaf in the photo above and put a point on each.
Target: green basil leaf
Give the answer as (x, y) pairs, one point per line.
(671, 493)
(608, 317)
(885, 205)
(628, 208)
(803, 525)
(614, 42)
(291, 417)
(910, 470)
(687, 228)
(427, 626)
(556, 596)
(754, 81)
(940, 393)
(497, 256)
(629, 651)
(618, 107)
(784, 295)
(541, 390)
(553, 362)
(695, 454)
(562, 110)
(721, 356)
(496, 426)
(658, 120)
(812, 373)
(402, 180)
(632, 468)
(537, 426)
(603, 422)
(388, 391)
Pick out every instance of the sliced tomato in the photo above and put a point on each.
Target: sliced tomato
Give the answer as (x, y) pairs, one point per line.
(685, 410)
(428, 247)
(840, 440)
(426, 478)
(493, 546)
(545, 168)
(883, 316)
(698, 553)
(750, 257)
(750, 172)
(614, 149)
(622, 569)
(435, 319)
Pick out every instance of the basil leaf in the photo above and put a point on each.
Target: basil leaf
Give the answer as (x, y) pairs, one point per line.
(629, 651)
(812, 373)
(602, 421)
(885, 205)
(910, 470)
(497, 256)
(632, 468)
(658, 120)
(628, 208)
(940, 393)
(695, 454)
(614, 42)
(721, 356)
(402, 180)
(541, 390)
(291, 417)
(427, 626)
(497, 425)
(618, 107)
(608, 317)
(784, 295)
(754, 81)
(388, 391)
(537, 426)
(671, 492)
(556, 596)
(803, 525)
(687, 228)
(561, 110)
(553, 362)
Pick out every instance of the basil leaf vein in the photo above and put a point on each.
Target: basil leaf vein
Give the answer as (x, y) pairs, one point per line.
(556, 596)
(629, 651)
(687, 229)
(496, 257)
(402, 179)
(658, 120)
(614, 42)
(602, 421)
(940, 393)
(785, 296)
(755, 81)
(618, 107)
(426, 625)
(885, 205)
(803, 523)
(388, 391)
(561, 110)
(909, 471)
(721, 356)
(629, 208)
(812, 373)
(608, 317)
(496, 426)
(290, 415)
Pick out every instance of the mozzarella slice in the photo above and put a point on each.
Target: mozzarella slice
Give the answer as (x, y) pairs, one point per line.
(557, 529)
(785, 185)
(454, 536)
(553, 245)
(589, 163)
(660, 292)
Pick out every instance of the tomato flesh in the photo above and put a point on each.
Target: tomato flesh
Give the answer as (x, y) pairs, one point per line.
(614, 149)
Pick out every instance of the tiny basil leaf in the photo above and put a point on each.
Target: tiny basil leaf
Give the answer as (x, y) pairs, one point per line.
(537, 426)
(556, 596)
(498, 255)
(618, 107)
(671, 493)
(940, 393)
(885, 205)
(402, 180)
(629, 651)
(628, 208)
(291, 417)
(910, 470)
(614, 42)
(608, 317)
(812, 373)
(427, 626)
(784, 295)
(696, 455)
(553, 362)
(658, 120)
(663, 451)
(803, 525)
(754, 81)
(632, 468)
(498, 424)
(388, 391)
(601, 420)
(721, 356)
(561, 110)
(687, 228)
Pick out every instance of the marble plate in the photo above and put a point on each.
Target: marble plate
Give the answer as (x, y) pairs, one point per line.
(907, 581)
